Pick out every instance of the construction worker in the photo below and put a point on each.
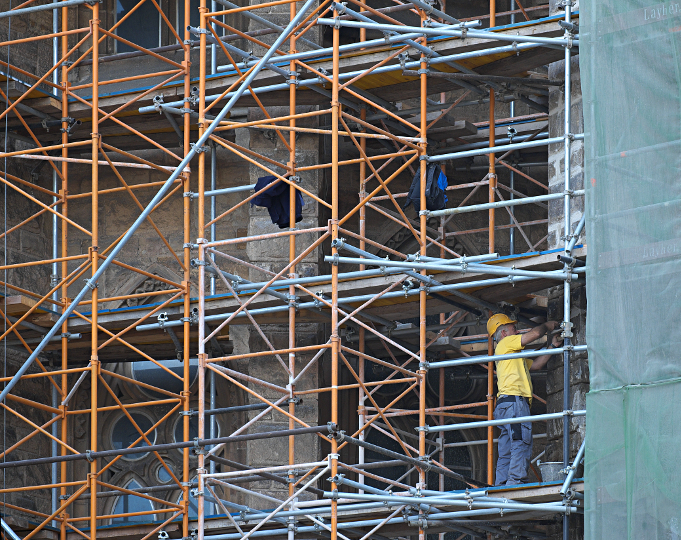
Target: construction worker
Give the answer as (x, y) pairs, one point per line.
(515, 394)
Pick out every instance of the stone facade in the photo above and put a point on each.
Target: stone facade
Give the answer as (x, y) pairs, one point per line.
(579, 369)
(14, 430)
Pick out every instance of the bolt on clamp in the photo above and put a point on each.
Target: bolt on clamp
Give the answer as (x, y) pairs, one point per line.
(91, 284)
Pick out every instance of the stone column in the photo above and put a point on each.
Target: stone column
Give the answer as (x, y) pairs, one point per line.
(273, 255)
(579, 369)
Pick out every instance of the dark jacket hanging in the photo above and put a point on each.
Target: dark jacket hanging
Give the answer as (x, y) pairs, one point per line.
(436, 184)
(276, 200)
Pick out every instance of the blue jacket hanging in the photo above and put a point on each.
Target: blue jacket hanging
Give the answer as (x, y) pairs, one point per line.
(276, 200)
(436, 186)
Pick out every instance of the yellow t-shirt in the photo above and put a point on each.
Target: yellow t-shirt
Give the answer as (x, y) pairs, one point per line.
(513, 376)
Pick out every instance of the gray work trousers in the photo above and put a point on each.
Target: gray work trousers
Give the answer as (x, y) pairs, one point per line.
(515, 443)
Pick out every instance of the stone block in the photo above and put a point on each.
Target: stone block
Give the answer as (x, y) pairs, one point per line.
(266, 453)
(278, 248)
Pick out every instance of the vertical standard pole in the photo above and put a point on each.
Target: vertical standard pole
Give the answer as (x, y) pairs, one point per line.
(441, 378)
(511, 231)
(567, 327)
(362, 245)
(213, 237)
(55, 271)
(187, 256)
(64, 264)
(94, 369)
(492, 171)
(423, 222)
(335, 338)
(490, 344)
(201, 214)
(490, 412)
(292, 271)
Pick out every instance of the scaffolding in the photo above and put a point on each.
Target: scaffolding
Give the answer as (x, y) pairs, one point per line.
(347, 299)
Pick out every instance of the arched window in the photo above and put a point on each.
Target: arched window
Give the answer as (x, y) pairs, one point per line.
(132, 503)
(124, 433)
(149, 373)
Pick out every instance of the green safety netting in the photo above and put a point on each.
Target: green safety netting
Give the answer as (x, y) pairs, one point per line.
(630, 60)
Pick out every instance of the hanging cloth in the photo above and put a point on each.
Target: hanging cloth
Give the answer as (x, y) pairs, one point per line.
(276, 200)
(436, 185)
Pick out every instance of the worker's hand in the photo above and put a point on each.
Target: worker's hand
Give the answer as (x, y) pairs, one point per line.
(557, 341)
(550, 326)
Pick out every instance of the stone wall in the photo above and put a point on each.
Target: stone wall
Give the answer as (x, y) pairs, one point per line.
(579, 370)
(13, 430)
(32, 241)
(273, 255)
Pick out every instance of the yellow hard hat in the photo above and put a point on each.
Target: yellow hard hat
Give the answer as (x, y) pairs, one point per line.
(495, 321)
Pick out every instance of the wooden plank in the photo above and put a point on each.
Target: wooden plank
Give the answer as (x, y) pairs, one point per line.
(19, 304)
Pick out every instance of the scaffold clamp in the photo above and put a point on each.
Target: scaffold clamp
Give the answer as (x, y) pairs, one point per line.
(91, 284)
(422, 428)
(197, 449)
(198, 149)
(162, 319)
(567, 329)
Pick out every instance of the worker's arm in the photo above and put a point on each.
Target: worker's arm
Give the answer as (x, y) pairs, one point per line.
(537, 332)
(541, 361)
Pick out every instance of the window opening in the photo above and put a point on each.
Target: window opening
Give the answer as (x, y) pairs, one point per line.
(163, 475)
(132, 503)
(149, 373)
(124, 433)
(136, 27)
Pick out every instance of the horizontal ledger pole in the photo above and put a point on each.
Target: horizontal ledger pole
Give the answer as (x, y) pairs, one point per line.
(360, 298)
(44, 7)
(502, 204)
(484, 150)
(260, 474)
(459, 31)
(314, 81)
(471, 268)
(342, 437)
(196, 443)
(505, 421)
(499, 357)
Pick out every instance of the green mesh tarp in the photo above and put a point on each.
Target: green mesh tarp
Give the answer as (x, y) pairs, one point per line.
(632, 466)
(630, 60)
